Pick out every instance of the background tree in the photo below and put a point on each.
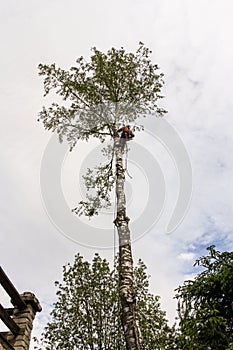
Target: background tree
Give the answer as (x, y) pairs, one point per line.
(110, 90)
(86, 314)
(205, 305)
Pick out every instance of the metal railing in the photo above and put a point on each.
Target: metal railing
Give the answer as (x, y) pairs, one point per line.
(6, 313)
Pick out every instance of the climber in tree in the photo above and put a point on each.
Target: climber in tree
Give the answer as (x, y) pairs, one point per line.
(126, 135)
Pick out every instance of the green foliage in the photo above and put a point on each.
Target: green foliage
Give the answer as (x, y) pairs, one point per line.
(205, 305)
(96, 90)
(110, 89)
(86, 314)
(99, 181)
(155, 331)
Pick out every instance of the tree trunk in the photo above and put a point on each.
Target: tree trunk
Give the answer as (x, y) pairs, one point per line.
(129, 317)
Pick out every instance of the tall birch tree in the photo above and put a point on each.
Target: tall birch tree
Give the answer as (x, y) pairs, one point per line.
(110, 90)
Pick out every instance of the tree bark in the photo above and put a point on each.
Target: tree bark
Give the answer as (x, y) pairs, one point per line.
(129, 317)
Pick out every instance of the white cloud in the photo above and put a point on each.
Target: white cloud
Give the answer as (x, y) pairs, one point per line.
(186, 256)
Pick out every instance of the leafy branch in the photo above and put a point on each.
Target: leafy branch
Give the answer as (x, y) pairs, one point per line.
(99, 180)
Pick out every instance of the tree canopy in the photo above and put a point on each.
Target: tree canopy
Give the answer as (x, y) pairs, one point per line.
(205, 304)
(99, 94)
(110, 81)
(86, 314)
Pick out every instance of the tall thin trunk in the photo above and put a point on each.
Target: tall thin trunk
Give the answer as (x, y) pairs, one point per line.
(129, 317)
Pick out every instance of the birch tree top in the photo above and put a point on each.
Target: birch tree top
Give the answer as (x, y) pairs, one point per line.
(106, 81)
(99, 95)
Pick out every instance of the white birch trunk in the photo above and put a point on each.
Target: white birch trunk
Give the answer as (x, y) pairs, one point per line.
(129, 317)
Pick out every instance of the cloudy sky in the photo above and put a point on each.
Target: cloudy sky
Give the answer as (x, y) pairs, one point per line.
(192, 43)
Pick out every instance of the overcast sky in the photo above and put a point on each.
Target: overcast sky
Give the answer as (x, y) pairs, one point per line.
(192, 43)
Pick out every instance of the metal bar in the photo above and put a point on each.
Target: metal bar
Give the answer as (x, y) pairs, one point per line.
(9, 310)
(11, 290)
(8, 321)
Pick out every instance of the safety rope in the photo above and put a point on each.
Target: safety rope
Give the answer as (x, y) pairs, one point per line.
(114, 235)
(115, 271)
(126, 161)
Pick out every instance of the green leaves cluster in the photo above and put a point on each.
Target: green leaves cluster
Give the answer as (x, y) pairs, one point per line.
(117, 82)
(87, 312)
(155, 330)
(111, 83)
(98, 95)
(205, 305)
(99, 183)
